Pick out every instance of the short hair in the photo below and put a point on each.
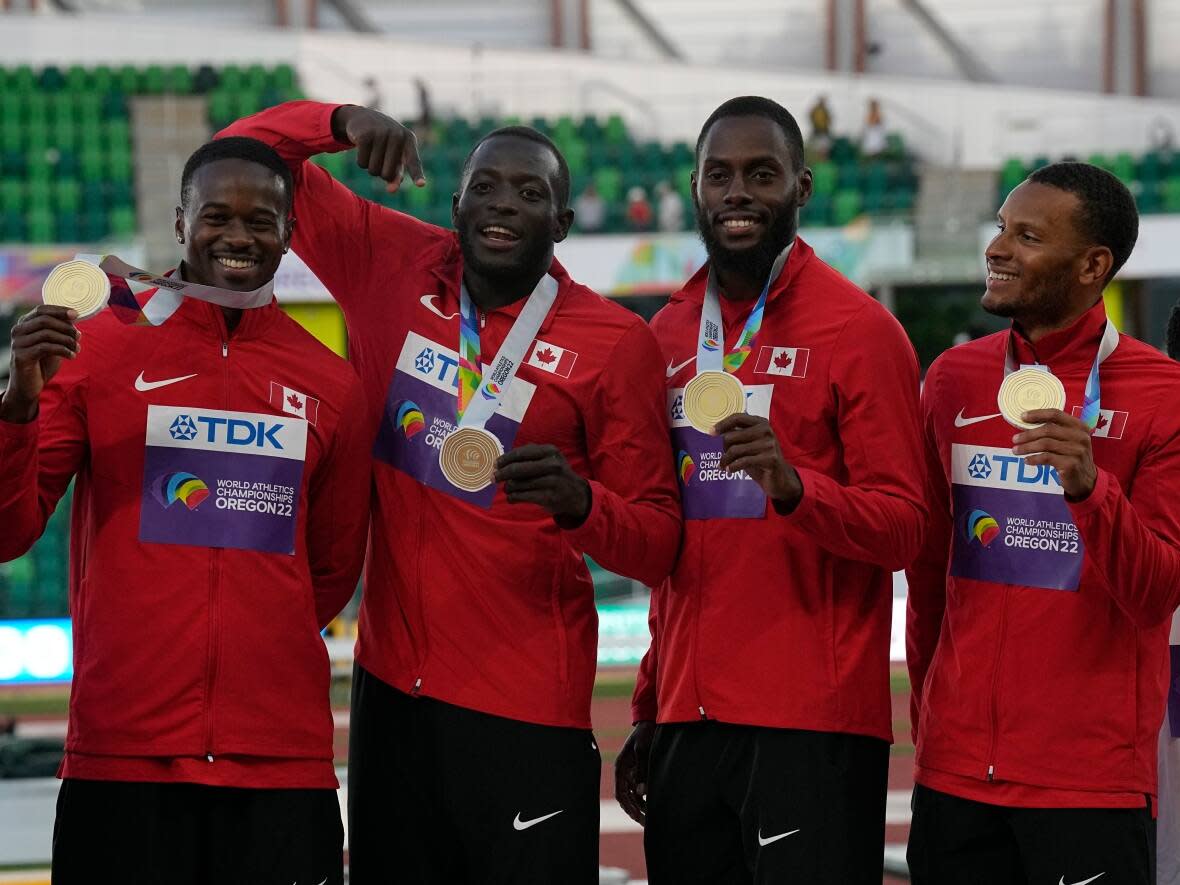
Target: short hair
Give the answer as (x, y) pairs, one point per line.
(1107, 215)
(236, 147)
(530, 134)
(757, 106)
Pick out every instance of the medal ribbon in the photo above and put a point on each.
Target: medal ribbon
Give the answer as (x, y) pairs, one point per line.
(712, 335)
(480, 396)
(139, 298)
(1092, 398)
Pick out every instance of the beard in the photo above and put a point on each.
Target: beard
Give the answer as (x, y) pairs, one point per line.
(534, 260)
(753, 262)
(1045, 300)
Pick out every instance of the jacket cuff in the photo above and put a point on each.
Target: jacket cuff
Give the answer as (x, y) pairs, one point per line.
(1105, 486)
(585, 536)
(809, 480)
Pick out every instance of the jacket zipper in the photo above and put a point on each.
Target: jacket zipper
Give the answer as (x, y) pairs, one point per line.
(214, 582)
(993, 711)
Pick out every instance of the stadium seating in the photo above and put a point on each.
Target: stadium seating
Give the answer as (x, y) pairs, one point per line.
(66, 152)
(1154, 177)
(604, 152)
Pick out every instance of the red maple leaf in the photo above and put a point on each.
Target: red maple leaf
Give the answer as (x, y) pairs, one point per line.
(782, 360)
(545, 356)
(1102, 422)
(294, 402)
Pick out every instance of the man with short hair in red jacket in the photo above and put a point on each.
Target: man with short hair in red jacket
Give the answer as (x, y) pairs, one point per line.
(221, 469)
(768, 673)
(1038, 611)
(471, 758)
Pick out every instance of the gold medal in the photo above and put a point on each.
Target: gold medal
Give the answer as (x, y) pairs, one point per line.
(1027, 390)
(711, 397)
(78, 285)
(468, 458)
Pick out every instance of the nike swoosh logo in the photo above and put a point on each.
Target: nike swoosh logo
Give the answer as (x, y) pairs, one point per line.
(960, 421)
(1083, 882)
(144, 386)
(762, 843)
(672, 370)
(428, 303)
(518, 824)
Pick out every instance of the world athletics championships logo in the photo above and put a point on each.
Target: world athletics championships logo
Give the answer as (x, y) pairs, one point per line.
(491, 390)
(685, 467)
(710, 344)
(410, 419)
(190, 490)
(981, 526)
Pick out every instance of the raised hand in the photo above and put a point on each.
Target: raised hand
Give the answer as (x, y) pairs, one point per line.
(41, 339)
(384, 147)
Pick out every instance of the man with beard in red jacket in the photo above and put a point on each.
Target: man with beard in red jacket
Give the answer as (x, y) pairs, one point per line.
(220, 466)
(1038, 609)
(471, 758)
(768, 673)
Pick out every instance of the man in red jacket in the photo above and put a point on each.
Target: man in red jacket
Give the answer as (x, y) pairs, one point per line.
(768, 670)
(218, 461)
(471, 756)
(1038, 609)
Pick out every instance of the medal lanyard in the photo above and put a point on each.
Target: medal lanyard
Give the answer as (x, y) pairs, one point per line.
(712, 335)
(474, 410)
(1092, 398)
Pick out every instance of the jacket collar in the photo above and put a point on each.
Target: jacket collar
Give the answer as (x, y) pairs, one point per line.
(693, 291)
(1074, 345)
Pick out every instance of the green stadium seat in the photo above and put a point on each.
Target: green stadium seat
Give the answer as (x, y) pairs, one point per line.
(41, 227)
(151, 80)
(615, 130)
(95, 225)
(77, 79)
(222, 109)
(178, 80)
(123, 223)
(102, 80)
(127, 79)
(257, 78)
(51, 79)
(67, 195)
(818, 211)
(1170, 191)
(205, 80)
(824, 175)
(12, 195)
(1123, 166)
(232, 79)
(283, 77)
(846, 206)
(1149, 199)
(609, 183)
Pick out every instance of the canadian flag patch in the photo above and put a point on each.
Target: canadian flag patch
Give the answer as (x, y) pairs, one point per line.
(1111, 424)
(551, 358)
(293, 402)
(790, 362)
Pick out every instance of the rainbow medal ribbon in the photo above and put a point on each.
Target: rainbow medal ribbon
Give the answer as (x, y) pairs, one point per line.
(138, 298)
(1028, 388)
(469, 453)
(714, 393)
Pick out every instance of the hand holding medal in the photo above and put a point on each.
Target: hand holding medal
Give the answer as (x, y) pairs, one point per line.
(751, 446)
(1063, 442)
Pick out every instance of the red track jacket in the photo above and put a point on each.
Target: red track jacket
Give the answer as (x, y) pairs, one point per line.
(197, 596)
(784, 621)
(489, 609)
(1045, 686)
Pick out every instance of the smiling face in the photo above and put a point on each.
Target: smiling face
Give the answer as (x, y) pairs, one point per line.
(747, 191)
(235, 225)
(1039, 268)
(507, 212)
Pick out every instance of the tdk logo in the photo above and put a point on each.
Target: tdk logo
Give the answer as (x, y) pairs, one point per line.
(437, 365)
(183, 428)
(228, 431)
(1011, 471)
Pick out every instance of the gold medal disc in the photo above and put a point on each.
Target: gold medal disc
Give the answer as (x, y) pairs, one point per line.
(468, 458)
(78, 285)
(1026, 390)
(711, 397)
